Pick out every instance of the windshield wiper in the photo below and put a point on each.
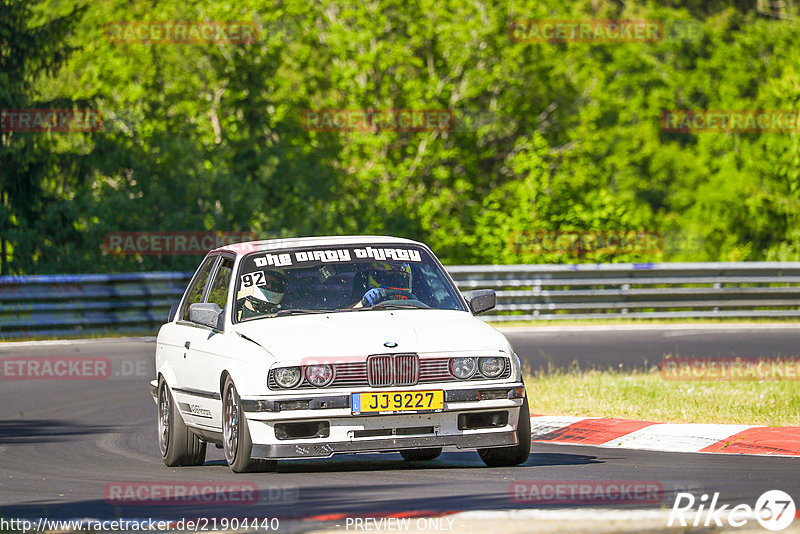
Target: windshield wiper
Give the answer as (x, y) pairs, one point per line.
(300, 311)
(396, 305)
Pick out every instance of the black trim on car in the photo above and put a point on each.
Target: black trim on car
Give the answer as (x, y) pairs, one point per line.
(314, 403)
(198, 393)
(395, 443)
(186, 408)
(506, 391)
(484, 393)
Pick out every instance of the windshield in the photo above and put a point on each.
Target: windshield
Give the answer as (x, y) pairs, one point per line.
(352, 278)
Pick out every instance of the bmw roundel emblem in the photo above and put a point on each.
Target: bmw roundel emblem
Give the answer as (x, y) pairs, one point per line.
(390, 344)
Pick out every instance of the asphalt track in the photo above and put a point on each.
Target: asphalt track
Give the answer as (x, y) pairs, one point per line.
(643, 346)
(63, 442)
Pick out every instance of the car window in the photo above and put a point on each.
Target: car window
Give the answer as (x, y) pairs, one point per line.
(195, 293)
(222, 280)
(433, 285)
(326, 279)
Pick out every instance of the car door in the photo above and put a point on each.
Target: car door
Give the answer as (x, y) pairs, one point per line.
(186, 392)
(205, 354)
(171, 349)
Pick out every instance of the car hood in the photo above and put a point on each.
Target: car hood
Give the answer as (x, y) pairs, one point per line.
(358, 334)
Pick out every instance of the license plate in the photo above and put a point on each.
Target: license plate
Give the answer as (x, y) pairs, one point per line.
(398, 402)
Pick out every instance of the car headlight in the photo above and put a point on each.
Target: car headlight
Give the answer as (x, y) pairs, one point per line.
(319, 375)
(491, 367)
(463, 368)
(288, 377)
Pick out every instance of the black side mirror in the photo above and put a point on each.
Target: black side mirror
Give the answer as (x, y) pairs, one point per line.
(481, 300)
(207, 314)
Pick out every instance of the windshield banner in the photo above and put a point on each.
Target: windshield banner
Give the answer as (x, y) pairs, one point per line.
(304, 258)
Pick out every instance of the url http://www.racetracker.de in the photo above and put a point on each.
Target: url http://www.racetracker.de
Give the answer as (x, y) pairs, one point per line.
(201, 524)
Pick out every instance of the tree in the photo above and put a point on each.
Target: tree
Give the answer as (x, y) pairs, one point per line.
(33, 172)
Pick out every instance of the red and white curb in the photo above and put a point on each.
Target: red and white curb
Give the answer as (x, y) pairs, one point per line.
(667, 437)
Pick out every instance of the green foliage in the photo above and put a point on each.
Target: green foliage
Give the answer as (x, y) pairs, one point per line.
(31, 183)
(547, 136)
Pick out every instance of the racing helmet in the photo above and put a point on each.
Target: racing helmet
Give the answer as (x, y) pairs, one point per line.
(390, 275)
(266, 297)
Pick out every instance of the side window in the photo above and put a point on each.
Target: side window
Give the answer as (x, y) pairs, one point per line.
(219, 288)
(198, 284)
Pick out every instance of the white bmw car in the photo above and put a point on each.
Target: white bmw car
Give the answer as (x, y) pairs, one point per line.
(306, 348)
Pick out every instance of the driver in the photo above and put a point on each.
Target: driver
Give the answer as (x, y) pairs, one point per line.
(264, 299)
(387, 281)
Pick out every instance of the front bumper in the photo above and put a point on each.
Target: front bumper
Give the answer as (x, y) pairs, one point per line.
(311, 404)
(370, 433)
(325, 450)
(473, 418)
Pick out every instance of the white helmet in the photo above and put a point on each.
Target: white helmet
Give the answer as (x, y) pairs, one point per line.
(265, 298)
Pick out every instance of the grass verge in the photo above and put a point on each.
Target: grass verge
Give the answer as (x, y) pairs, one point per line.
(645, 395)
(671, 321)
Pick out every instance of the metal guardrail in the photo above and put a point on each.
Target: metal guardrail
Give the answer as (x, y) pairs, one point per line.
(139, 302)
(637, 290)
(56, 305)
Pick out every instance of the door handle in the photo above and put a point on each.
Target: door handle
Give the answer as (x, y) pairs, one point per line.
(186, 344)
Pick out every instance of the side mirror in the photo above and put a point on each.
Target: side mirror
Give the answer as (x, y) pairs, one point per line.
(481, 300)
(206, 314)
(173, 311)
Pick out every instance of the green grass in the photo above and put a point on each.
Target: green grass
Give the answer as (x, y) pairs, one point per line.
(599, 322)
(644, 395)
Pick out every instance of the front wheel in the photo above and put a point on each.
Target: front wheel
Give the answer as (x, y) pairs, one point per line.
(236, 435)
(178, 445)
(421, 455)
(516, 454)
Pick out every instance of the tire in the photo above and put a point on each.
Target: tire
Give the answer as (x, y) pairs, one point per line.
(421, 455)
(236, 435)
(178, 445)
(516, 454)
